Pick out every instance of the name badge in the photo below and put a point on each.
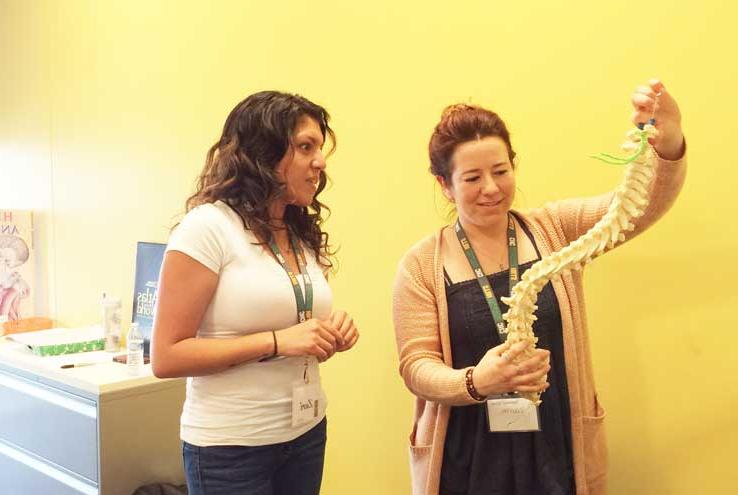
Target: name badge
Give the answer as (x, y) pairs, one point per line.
(512, 414)
(307, 403)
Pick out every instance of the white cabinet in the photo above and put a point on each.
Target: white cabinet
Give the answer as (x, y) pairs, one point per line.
(87, 430)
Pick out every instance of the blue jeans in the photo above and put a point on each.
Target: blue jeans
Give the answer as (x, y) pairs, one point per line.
(289, 468)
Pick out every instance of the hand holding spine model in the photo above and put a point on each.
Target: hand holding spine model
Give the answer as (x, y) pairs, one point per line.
(629, 202)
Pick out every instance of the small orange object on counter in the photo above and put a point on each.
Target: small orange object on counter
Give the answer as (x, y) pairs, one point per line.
(26, 325)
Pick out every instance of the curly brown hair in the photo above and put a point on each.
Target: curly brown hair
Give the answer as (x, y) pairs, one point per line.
(240, 169)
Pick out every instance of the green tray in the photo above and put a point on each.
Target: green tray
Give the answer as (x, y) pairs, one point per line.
(73, 348)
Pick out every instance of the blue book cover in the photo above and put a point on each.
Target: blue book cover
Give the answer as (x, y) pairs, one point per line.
(149, 256)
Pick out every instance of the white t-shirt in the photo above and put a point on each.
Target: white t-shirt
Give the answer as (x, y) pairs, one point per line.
(249, 404)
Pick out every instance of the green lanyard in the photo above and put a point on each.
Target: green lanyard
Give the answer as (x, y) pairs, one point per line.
(304, 305)
(489, 296)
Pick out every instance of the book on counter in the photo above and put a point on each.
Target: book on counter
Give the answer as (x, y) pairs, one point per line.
(149, 256)
(16, 265)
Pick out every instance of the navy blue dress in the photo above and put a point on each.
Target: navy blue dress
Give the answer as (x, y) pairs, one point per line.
(477, 462)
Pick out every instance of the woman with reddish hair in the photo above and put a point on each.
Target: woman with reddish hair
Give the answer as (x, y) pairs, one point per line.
(472, 435)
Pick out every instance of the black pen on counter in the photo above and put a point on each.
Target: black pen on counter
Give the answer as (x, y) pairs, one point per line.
(75, 365)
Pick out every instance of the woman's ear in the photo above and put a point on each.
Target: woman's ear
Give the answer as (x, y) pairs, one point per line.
(445, 188)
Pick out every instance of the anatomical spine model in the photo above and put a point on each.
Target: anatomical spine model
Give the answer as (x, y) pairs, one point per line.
(629, 202)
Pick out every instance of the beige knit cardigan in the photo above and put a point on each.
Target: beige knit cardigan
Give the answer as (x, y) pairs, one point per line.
(421, 325)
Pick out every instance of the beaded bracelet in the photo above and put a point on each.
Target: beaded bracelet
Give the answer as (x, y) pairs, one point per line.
(470, 386)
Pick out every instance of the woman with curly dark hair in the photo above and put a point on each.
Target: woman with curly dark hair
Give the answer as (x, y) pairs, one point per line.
(244, 309)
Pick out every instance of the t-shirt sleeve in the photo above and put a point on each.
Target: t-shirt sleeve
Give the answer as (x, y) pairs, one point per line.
(200, 236)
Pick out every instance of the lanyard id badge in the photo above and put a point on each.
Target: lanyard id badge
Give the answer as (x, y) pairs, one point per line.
(512, 414)
(304, 304)
(506, 413)
(307, 398)
(489, 295)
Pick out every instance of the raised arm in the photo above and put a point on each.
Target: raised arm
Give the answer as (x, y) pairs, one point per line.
(576, 216)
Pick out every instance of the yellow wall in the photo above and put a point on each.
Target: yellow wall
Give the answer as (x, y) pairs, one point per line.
(116, 104)
(25, 105)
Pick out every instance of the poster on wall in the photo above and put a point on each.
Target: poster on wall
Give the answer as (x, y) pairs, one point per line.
(16, 265)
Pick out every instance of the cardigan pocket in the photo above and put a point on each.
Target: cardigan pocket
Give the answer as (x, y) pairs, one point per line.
(595, 450)
(420, 456)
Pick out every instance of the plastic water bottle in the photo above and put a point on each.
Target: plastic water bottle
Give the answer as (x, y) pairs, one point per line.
(134, 344)
(111, 322)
